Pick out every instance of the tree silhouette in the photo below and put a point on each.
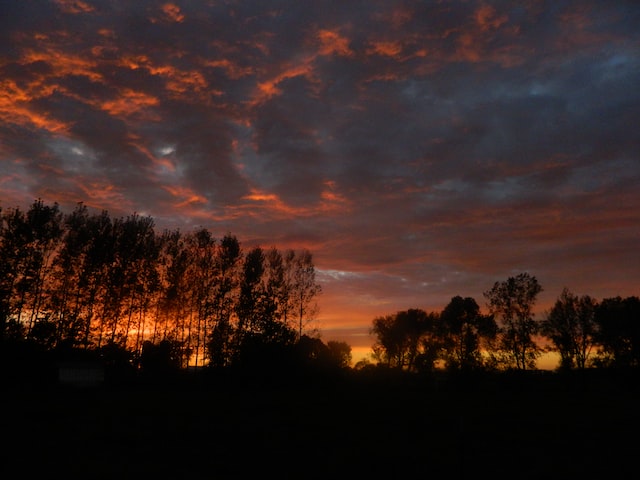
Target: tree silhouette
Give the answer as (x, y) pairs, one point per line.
(512, 302)
(399, 336)
(87, 280)
(304, 288)
(201, 278)
(12, 251)
(465, 333)
(618, 336)
(67, 287)
(249, 307)
(339, 353)
(44, 230)
(227, 263)
(113, 285)
(571, 327)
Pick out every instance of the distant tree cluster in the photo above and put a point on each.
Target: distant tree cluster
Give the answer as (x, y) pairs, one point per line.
(89, 281)
(585, 333)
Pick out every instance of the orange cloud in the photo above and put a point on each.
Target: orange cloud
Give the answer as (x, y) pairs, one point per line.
(232, 70)
(130, 102)
(469, 48)
(177, 82)
(173, 12)
(475, 42)
(192, 81)
(15, 109)
(102, 195)
(269, 88)
(162, 165)
(74, 6)
(332, 200)
(63, 63)
(385, 48)
(487, 18)
(332, 43)
(268, 202)
(184, 196)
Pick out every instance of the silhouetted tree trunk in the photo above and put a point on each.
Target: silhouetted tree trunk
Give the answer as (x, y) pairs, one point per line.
(304, 288)
(225, 300)
(12, 251)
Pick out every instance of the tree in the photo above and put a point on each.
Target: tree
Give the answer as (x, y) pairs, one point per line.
(313, 352)
(173, 266)
(44, 227)
(201, 284)
(251, 295)
(259, 332)
(304, 288)
(28, 243)
(512, 302)
(464, 330)
(571, 328)
(162, 358)
(618, 337)
(398, 337)
(131, 275)
(85, 280)
(13, 228)
(67, 289)
(96, 261)
(227, 261)
(339, 353)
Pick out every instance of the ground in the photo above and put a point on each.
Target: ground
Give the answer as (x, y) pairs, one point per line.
(323, 429)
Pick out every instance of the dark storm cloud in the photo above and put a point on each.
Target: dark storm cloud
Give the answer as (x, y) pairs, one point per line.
(419, 149)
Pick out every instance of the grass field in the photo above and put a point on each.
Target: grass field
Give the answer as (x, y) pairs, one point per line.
(543, 428)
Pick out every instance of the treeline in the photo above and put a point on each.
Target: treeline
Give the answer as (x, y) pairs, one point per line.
(83, 281)
(584, 332)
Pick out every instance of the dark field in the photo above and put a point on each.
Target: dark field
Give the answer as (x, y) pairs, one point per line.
(540, 427)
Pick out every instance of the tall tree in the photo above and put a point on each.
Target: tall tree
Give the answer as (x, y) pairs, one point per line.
(27, 246)
(45, 229)
(201, 283)
(174, 291)
(130, 274)
(227, 261)
(67, 289)
(465, 331)
(571, 328)
(304, 289)
(251, 295)
(512, 302)
(13, 227)
(261, 336)
(97, 262)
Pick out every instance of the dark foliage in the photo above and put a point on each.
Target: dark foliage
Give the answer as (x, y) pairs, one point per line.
(140, 299)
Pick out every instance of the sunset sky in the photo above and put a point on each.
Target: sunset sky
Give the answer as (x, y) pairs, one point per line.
(420, 150)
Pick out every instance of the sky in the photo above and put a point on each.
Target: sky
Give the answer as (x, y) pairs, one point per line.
(420, 150)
